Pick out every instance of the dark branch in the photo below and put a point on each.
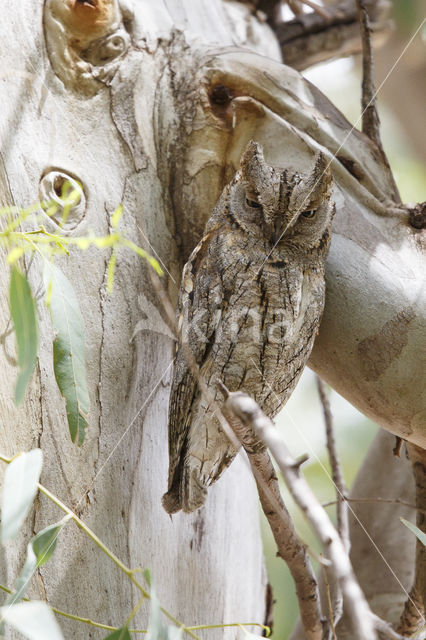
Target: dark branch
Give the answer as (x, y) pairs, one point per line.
(413, 615)
(370, 116)
(257, 427)
(312, 38)
(336, 470)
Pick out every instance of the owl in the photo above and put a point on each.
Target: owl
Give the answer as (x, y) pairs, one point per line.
(250, 304)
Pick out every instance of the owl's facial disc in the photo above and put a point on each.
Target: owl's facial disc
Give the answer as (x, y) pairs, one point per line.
(283, 205)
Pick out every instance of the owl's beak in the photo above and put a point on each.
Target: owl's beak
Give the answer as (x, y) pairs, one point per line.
(277, 224)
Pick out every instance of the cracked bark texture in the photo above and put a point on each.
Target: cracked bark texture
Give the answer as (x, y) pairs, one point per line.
(161, 128)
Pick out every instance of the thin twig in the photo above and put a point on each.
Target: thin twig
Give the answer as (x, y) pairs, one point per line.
(336, 469)
(107, 627)
(330, 604)
(376, 500)
(370, 116)
(70, 616)
(311, 38)
(130, 573)
(341, 492)
(259, 426)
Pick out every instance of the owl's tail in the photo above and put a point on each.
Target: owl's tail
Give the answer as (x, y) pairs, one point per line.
(187, 492)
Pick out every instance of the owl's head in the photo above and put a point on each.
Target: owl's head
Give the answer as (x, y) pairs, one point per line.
(288, 207)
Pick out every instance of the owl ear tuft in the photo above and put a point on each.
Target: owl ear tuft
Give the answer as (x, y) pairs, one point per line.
(323, 173)
(320, 181)
(252, 164)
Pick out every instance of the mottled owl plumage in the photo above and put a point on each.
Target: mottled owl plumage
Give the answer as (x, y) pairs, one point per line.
(250, 304)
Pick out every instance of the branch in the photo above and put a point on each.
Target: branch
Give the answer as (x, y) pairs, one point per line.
(413, 615)
(290, 547)
(370, 116)
(312, 38)
(341, 491)
(336, 470)
(271, 8)
(255, 426)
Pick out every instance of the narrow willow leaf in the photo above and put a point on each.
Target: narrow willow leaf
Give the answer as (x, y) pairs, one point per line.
(111, 271)
(155, 265)
(417, 532)
(33, 619)
(19, 489)
(173, 633)
(119, 634)
(143, 254)
(116, 216)
(68, 350)
(39, 550)
(24, 316)
(147, 575)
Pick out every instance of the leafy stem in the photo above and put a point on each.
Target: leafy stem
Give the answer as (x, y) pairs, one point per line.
(130, 573)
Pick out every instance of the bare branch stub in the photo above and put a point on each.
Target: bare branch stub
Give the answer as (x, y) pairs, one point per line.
(417, 216)
(270, 8)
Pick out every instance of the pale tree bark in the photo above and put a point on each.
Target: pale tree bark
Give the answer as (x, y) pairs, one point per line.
(153, 111)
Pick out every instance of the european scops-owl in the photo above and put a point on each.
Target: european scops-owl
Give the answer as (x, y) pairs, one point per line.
(250, 304)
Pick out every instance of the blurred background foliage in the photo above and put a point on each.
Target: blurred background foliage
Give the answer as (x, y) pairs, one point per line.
(401, 103)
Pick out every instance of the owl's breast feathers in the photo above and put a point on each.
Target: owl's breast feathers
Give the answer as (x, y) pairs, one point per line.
(249, 320)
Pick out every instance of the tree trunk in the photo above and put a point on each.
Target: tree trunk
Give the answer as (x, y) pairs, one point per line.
(150, 109)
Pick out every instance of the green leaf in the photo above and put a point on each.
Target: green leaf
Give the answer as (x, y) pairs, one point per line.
(417, 532)
(147, 575)
(68, 350)
(44, 543)
(19, 489)
(23, 312)
(39, 550)
(119, 634)
(33, 619)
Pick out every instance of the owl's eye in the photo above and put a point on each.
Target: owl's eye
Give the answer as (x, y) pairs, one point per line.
(253, 204)
(309, 214)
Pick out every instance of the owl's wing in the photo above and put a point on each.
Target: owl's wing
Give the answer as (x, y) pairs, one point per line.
(199, 312)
